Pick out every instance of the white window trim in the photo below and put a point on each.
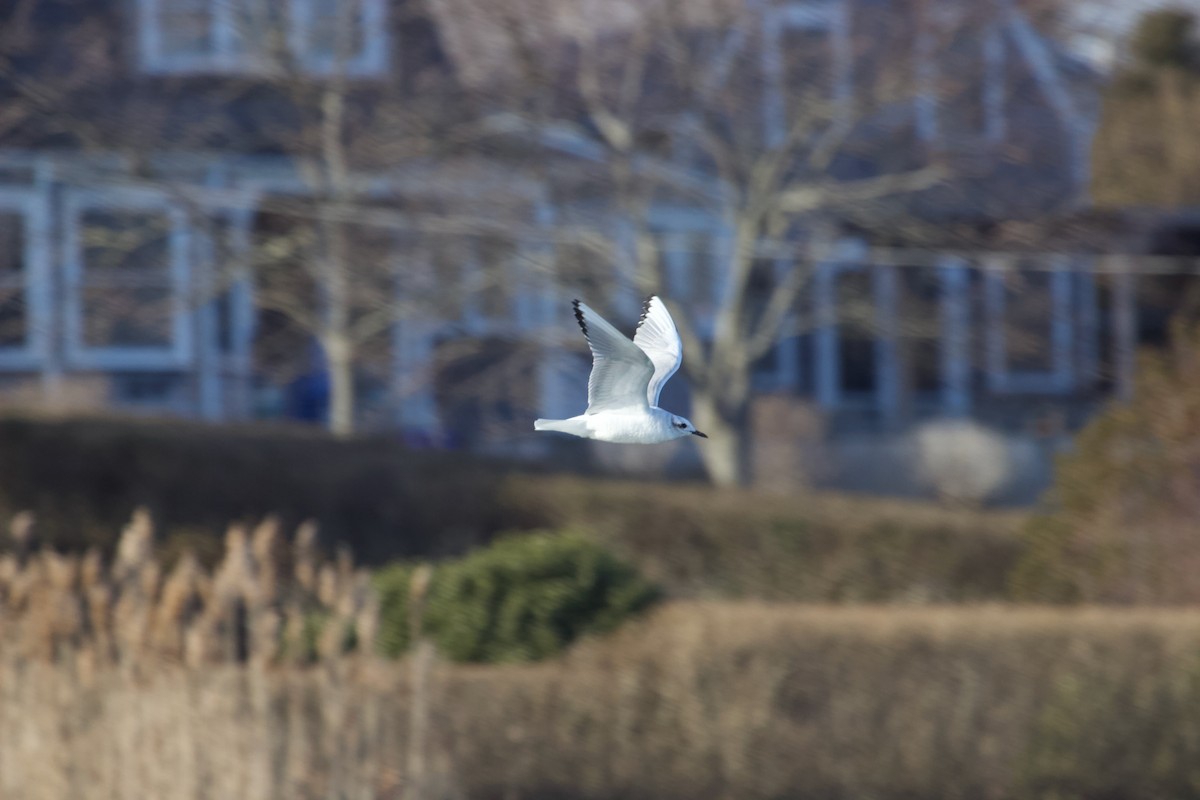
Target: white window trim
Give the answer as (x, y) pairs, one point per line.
(1060, 377)
(414, 339)
(155, 59)
(213, 364)
(955, 345)
(177, 355)
(371, 61)
(237, 211)
(243, 316)
(850, 256)
(34, 209)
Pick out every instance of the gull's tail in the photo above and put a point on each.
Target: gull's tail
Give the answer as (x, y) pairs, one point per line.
(574, 426)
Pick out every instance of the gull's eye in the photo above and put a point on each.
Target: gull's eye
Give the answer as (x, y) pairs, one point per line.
(680, 424)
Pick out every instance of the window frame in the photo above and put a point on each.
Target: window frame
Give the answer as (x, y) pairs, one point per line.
(33, 208)
(222, 59)
(1002, 379)
(179, 353)
(851, 256)
(372, 59)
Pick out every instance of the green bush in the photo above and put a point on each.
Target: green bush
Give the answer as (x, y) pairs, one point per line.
(1165, 39)
(523, 598)
(83, 476)
(393, 585)
(815, 547)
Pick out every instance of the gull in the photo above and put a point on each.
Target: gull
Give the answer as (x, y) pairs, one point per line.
(627, 377)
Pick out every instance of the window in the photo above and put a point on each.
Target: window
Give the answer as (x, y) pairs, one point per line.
(231, 296)
(1029, 328)
(14, 322)
(126, 281)
(23, 265)
(329, 33)
(240, 36)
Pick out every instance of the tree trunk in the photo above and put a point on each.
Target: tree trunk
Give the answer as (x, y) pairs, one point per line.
(339, 356)
(726, 452)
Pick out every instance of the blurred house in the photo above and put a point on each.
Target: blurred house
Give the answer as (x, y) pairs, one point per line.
(155, 150)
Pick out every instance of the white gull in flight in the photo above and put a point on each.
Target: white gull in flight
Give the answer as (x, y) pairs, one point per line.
(627, 377)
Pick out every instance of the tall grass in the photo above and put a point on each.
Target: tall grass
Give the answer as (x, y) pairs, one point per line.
(268, 600)
(699, 700)
(123, 679)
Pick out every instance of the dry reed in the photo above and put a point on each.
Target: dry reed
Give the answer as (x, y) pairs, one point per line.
(261, 603)
(699, 700)
(120, 681)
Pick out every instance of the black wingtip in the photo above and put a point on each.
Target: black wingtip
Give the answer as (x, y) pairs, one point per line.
(579, 316)
(645, 309)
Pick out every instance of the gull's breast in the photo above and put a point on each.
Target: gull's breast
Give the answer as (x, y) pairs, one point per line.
(633, 427)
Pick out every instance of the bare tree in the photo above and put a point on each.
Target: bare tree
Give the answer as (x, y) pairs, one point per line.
(346, 160)
(765, 124)
(330, 268)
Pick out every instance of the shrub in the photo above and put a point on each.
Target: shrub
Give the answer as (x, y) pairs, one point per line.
(961, 460)
(1165, 39)
(82, 476)
(805, 547)
(393, 584)
(1143, 152)
(525, 597)
(1120, 519)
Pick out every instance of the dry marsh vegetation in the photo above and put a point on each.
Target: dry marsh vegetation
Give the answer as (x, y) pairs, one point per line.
(698, 700)
(269, 600)
(122, 679)
(1120, 522)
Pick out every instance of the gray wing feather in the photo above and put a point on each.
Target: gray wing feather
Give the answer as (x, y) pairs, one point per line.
(659, 340)
(620, 370)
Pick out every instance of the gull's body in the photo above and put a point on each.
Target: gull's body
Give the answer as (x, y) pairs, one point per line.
(627, 378)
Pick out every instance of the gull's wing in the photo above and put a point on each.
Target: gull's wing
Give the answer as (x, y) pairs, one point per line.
(620, 370)
(658, 339)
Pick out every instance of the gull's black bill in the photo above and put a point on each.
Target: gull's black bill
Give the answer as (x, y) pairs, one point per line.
(701, 435)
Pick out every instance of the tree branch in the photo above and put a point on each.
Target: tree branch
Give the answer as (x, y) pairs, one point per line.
(814, 197)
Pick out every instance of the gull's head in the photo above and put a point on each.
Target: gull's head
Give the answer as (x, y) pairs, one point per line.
(684, 426)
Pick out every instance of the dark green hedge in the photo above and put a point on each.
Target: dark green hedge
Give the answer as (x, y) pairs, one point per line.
(523, 598)
(83, 477)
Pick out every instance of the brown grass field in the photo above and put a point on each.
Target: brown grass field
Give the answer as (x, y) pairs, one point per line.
(121, 680)
(712, 700)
